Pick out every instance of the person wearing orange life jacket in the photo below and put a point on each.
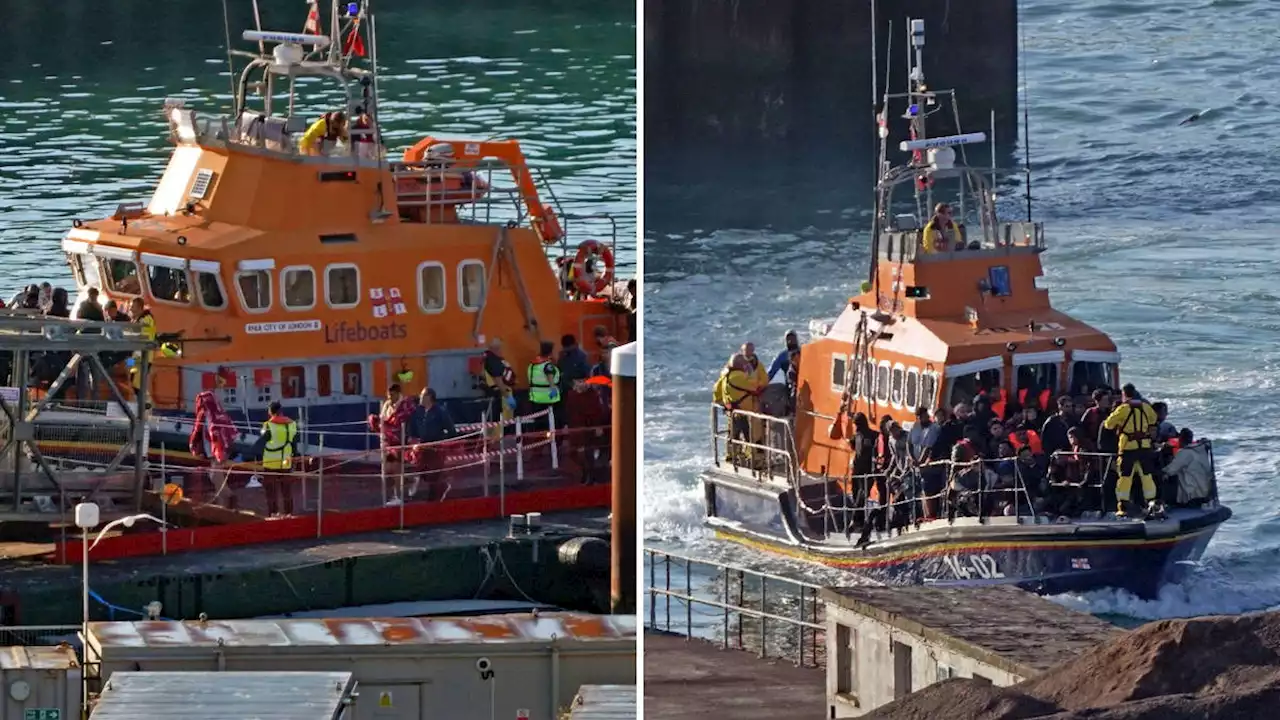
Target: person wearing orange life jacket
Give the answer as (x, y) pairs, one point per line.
(278, 444)
(1000, 403)
(1190, 473)
(1027, 438)
(1042, 399)
(1135, 422)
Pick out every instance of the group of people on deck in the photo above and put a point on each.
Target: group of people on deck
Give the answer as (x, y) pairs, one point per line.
(998, 455)
(994, 456)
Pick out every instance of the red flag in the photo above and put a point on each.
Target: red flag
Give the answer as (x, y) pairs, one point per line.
(354, 44)
(313, 20)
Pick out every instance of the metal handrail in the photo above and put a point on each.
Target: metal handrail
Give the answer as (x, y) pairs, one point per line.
(903, 481)
(806, 623)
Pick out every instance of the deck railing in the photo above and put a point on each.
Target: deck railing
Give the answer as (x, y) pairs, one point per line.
(773, 616)
(36, 635)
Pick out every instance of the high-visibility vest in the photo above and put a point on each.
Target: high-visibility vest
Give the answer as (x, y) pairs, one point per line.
(148, 324)
(280, 433)
(544, 381)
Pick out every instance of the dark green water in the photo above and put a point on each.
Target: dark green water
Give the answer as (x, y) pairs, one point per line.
(82, 83)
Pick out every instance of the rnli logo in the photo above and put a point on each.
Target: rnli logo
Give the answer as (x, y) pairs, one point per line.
(345, 332)
(385, 303)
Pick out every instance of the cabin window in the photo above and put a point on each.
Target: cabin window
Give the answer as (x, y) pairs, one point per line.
(1035, 379)
(324, 381)
(929, 390)
(122, 276)
(868, 379)
(895, 388)
(352, 379)
(293, 382)
(431, 290)
(264, 382)
(76, 261)
(169, 285)
(209, 290)
(471, 285)
(255, 290)
(838, 370)
(882, 383)
(1089, 376)
(227, 394)
(342, 285)
(966, 387)
(299, 289)
(998, 279)
(911, 398)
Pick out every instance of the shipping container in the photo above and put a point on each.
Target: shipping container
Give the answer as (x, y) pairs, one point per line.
(217, 696)
(40, 682)
(468, 668)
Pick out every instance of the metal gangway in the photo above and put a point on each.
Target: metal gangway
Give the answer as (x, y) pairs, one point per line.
(41, 360)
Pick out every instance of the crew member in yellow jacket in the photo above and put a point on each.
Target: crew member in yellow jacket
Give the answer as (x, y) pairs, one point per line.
(739, 389)
(330, 128)
(1135, 420)
(941, 233)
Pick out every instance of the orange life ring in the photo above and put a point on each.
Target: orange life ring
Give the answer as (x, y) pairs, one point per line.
(591, 250)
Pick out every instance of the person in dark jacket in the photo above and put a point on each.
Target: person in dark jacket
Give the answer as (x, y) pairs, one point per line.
(431, 424)
(431, 421)
(573, 363)
(89, 309)
(1053, 434)
(59, 305)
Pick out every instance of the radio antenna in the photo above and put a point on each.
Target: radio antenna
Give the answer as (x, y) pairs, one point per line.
(1026, 113)
(231, 64)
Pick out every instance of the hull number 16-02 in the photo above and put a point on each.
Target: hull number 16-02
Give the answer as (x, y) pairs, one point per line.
(967, 567)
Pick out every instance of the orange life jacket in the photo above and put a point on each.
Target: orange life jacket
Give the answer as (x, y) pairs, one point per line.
(1033, 441)
(1043, 399)
(997, 407)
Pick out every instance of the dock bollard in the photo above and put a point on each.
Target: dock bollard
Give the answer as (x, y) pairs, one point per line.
(622, 576)
(519, 525)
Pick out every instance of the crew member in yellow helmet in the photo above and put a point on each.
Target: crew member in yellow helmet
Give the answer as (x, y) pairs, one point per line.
(1135, 421)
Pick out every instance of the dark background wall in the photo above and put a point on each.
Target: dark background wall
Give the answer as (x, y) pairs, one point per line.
(743, 94)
